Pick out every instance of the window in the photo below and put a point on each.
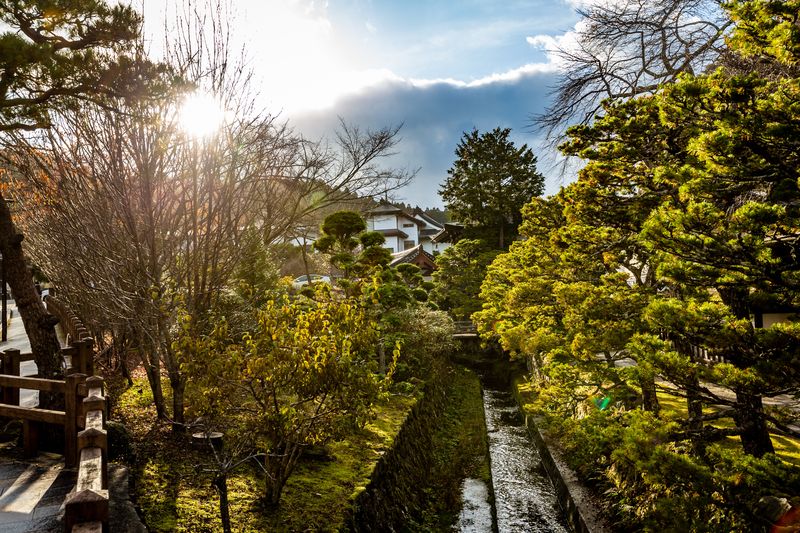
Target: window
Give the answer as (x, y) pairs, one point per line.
(391, 250)
(406, 225)
(407, 245)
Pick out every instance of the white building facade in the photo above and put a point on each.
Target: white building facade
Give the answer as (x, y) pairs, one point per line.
(403, 230)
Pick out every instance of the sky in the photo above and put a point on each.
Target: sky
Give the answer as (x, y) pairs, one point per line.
(438, 67)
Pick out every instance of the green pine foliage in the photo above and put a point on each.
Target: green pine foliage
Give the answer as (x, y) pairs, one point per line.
(59, 51)
(489, 183)
(635, 294)
(457, 279)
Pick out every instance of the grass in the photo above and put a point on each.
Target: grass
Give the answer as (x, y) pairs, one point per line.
(174, 490)
(674, 408)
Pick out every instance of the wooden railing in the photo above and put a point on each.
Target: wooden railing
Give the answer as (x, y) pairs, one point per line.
(72, 325)
(86, 509)
(465, 328)
(698, 354)
(83, 420)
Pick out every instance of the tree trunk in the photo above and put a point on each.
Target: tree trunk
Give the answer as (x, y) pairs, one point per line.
(280, 463)
(272, 494)
(749, 416)
(649, 395)
(39, 324)
(221, 484)
(381, 359)
(153, 370)
(178, 383)
(501, 240)
(694, 407)
(304, 255)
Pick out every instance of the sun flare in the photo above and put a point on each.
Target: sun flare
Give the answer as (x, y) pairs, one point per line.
(201, 114)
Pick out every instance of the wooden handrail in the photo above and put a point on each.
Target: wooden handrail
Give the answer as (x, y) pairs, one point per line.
(40, 384)
(86, 509)
(35, 415)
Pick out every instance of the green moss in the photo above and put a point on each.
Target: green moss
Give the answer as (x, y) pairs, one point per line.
(461, 445)
(417, 487)
(173, 485)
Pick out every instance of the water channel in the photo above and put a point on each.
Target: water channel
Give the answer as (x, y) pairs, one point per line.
(525, 500)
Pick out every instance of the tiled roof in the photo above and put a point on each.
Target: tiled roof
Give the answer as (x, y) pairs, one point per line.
(393, 232)
(407, 256)
(388, 209)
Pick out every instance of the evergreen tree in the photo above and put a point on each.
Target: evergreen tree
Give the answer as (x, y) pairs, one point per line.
(460, 271)
(489, 183)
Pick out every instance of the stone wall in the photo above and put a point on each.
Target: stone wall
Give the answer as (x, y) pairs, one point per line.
(576, 500)
(393, 496)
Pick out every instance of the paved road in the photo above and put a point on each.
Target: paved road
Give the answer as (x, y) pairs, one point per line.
(18, 339)
(783, 400)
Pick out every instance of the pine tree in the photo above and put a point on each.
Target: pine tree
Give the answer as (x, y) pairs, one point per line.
(489, 183)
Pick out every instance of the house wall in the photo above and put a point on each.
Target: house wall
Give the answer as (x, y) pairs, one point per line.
(770, 319)
(412, 230)
(440, 247)
(382, 222)
(394, 243)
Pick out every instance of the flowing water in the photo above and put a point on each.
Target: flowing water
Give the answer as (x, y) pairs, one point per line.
(476, 514)
(525, 500)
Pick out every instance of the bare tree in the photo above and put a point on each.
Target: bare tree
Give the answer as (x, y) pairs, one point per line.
(151, 220)
(46, 62)
(626, 48)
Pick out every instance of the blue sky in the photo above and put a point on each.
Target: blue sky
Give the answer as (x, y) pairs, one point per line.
(439, 67)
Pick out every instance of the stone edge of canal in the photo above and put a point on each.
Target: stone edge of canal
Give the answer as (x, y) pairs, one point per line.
(575, 499)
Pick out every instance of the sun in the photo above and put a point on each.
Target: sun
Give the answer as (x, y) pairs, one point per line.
(201, 114)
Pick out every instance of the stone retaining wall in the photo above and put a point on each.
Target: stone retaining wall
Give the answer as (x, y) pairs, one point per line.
(580, 507)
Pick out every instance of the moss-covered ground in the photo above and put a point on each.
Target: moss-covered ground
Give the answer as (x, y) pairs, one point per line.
(173, 482)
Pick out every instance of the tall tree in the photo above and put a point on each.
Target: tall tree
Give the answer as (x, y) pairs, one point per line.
(489, 183)
(158, 219)
(54, 53)
(627, 48)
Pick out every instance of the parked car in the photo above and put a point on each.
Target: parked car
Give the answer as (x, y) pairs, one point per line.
(302, 281)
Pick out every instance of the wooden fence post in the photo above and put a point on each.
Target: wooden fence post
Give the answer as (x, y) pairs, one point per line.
(95, 399)
(11, 367)
(71, 412)
(87, 358)
(77, 356)
(69, 351)
(88, 506)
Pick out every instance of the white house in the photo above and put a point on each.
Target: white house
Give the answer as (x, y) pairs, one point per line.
(404, 230)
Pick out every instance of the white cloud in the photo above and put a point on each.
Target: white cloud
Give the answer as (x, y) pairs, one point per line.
(302, 65)
(552, 44)
(510, 76)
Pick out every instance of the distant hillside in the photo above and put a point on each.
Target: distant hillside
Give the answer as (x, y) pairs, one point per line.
(439, 215)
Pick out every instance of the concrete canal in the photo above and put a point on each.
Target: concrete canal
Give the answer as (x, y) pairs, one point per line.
(524, 497)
